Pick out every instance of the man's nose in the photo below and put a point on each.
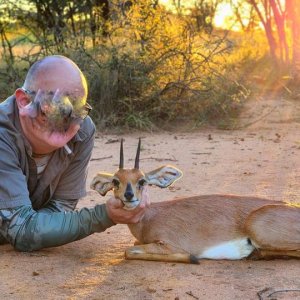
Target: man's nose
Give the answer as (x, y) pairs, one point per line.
(66, 111)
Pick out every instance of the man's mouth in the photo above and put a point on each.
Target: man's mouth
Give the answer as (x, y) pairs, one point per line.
(55, 135)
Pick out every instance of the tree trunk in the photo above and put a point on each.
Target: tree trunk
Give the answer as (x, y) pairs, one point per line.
(267, 23)
(271, 39)
(294, 16)
(279, 17)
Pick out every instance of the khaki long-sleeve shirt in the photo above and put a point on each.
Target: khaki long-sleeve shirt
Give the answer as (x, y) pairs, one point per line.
(64, 176)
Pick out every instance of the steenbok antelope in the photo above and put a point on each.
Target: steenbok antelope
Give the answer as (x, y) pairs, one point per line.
(201, 227)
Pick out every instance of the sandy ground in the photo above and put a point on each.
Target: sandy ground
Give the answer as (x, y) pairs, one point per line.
(261, 159)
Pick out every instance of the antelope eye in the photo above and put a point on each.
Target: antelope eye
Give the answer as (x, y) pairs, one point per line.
(116, 182)
(142, 182)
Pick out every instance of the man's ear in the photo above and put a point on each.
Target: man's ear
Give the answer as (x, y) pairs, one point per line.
(163, 176)
(22, 98)
(102, 183)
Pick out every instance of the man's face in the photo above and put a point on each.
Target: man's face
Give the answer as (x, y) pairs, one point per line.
(50, 119)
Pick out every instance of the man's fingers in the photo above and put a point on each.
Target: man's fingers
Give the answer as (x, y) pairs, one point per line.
(118, 214)
(115, 203)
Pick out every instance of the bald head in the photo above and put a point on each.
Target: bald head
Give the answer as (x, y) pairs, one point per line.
(57, 73)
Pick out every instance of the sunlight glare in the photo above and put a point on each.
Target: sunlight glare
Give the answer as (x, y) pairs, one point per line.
(223, 17)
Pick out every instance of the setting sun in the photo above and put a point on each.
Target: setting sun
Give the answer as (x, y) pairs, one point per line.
(223, 18)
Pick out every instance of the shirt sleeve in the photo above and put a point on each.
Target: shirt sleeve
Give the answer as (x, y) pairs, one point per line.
(29, 230)
(56, 205)
(13, 183)
(72, 183)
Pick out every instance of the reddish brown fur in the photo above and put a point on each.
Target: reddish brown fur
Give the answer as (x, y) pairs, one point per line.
(197, 223)
(128, 176)
(275, 227)
(174, 230)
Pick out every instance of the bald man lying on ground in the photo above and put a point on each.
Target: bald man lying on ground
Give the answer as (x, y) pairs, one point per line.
(46, 141)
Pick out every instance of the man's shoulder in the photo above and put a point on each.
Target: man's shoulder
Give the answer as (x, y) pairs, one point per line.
(7, 117)
(86, 131)
(7, 108)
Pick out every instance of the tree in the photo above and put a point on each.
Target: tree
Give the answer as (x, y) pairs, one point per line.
(264, 12)
(98, 10)
(204, 12)
(273, 15)
(279, 13)
(293, 14)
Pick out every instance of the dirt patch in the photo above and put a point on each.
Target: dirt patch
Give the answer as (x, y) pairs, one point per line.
(259, 160)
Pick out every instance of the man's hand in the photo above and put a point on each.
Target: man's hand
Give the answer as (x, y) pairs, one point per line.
(119, 215)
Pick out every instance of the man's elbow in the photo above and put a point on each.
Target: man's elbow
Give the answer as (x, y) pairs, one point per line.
(27, 245)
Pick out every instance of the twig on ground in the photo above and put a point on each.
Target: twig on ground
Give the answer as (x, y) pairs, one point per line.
(157, 159)
(111, 141)
(262, 294)
(192, 295)
(101, 158)
(201, 153)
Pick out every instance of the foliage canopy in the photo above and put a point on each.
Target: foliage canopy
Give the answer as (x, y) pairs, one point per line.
(145, 64)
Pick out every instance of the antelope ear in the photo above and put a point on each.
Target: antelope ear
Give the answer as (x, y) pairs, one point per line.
(102, 183)
(163, 176)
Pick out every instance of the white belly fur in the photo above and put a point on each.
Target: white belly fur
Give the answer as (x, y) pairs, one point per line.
(236, 249)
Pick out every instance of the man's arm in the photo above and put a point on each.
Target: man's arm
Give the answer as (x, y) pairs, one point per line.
(28, 230)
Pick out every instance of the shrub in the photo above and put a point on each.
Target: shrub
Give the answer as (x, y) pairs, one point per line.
(150, 67)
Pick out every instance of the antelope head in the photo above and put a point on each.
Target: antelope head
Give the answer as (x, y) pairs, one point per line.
(127, 183)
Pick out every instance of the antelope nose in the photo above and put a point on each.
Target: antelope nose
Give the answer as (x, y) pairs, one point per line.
(129, 192)
(128, 195)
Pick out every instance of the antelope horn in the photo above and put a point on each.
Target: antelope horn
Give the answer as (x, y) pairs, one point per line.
(121, 165)
(137, 158)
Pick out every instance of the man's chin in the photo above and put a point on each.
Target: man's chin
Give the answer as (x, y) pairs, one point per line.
(58, 139)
